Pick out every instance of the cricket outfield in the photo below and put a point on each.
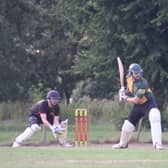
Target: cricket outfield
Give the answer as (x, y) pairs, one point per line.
(98, 153)
(89, 157)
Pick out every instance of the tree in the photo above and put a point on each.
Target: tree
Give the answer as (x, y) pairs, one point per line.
(36, 47)
(135, 30)
(53, 42)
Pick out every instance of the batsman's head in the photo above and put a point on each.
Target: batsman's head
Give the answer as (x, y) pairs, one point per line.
(53, 96)
(135, 70)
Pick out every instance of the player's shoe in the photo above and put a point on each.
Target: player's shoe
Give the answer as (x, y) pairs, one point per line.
(16, 144)
(66, 145)
(158, 146)
(119, 146)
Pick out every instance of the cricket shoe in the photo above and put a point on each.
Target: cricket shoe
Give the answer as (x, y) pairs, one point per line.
(119, 146)
(16, 144)
(67, 145)
(158, 146)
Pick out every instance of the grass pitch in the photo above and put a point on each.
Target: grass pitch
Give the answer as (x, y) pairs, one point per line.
(90, 157)
(94, 156)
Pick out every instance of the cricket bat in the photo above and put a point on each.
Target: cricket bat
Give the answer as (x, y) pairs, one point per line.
(121, 72)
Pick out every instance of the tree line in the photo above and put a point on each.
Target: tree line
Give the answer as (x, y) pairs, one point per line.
(72, 45)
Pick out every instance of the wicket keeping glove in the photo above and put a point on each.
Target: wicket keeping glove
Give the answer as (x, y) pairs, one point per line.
(57, 129)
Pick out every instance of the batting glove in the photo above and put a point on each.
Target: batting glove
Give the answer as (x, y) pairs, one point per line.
(124, 98)
(121, 93)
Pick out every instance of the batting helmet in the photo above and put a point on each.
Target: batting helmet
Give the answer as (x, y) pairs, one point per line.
(135, 68)
(53, 94)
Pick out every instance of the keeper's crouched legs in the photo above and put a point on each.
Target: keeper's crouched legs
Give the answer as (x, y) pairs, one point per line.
(126, 132)
(28, 132)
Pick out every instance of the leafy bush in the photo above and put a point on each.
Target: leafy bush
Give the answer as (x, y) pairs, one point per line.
(99, 112)
(165, 119)
(12, 110)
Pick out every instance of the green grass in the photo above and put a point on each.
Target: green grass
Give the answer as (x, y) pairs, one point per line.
(43, 157)
(98, 132)
(93, 156)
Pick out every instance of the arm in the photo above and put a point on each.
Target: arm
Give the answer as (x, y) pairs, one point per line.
(138, 98)
(57, 128)
(56, 115)
(56, 120)
(139, 92)
(134, 100)
(44, 120)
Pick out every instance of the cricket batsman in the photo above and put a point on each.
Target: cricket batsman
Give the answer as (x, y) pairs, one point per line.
(139, 93)
(45, 112)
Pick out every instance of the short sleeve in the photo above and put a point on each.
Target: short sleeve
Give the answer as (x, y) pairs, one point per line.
(43, 107)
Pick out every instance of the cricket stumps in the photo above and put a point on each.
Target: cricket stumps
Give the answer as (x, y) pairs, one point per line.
(81, 127)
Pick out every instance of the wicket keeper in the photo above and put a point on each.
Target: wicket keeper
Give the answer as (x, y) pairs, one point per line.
(45, 112)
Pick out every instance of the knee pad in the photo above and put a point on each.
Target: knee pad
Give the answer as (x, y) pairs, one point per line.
(35, 127)
(128, 126)
(154, 115)
(28, 132)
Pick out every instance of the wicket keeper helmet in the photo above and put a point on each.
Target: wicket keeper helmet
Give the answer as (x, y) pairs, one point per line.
(135, 68)
(53, 94)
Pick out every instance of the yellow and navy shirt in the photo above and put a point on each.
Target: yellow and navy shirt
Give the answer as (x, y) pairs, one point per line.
(140, 89)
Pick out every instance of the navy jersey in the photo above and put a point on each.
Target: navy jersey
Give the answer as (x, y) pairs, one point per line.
(43, 107)
(140, 89)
